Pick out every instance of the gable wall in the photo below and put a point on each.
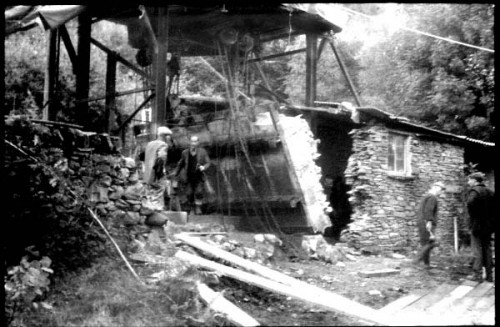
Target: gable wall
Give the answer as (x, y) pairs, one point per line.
(384, 206)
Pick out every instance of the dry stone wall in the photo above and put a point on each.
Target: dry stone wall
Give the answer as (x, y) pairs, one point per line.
(115, 192)
(384, 205)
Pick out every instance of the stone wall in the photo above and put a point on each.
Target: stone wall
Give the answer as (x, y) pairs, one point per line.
(385, 205)
(114, 192)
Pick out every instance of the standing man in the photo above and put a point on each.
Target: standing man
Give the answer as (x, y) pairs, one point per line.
(427, 221)
(151, 153)
(480, 203)
(194, 161)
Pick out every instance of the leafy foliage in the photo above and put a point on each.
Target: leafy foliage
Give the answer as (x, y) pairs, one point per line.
(45, 205)
(25, 285)
(441, 84)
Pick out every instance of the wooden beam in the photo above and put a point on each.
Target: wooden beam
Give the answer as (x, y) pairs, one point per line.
(286, 53)
(110, 103)
(311, 78)
(327, 300)
(159, 108)
(83, 67)
(69, 47)
(344, 71)
(321, 47)
(51, 76)
(311, 68)
(142, 105)
(117, 94)
(217, 302)
(122, 60)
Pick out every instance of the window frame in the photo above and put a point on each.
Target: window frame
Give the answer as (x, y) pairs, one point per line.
(407, 167)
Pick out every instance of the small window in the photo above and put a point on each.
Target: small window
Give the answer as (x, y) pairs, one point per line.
(398, 159)
(147, 114)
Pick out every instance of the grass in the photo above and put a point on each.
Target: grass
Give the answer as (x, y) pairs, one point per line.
(108, 295)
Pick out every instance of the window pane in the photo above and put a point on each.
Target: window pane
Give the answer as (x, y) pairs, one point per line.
(397, 151)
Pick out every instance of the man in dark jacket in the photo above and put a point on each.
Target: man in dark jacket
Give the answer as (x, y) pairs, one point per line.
(427, 222)
(480, 202)
(194, 161)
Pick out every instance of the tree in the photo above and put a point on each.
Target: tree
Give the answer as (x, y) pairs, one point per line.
(441, 84)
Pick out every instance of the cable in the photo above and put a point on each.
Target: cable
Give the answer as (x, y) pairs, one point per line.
(420, 32)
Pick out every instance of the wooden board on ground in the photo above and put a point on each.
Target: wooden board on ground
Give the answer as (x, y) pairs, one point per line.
(378, 273)
(430, 298)
(470, 303)
(217, 302)
(400, 303)
(326, 300)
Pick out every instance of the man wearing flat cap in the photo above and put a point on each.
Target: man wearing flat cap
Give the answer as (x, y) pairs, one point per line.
(480, 205)
(427, 221)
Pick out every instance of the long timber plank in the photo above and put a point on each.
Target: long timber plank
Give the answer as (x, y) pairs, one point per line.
(429, 299)
(400, 303)
(458, 306)
(478, 308)
(444, 305)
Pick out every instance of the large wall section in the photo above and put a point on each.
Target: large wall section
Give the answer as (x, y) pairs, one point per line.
(384, 205)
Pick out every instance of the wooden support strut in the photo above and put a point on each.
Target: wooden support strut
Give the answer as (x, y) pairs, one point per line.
(344, 71)
(286, 53)
(122, 60)
(144, 103)
(69, 47)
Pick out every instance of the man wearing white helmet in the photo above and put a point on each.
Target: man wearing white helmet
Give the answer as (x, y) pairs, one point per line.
(151, 153)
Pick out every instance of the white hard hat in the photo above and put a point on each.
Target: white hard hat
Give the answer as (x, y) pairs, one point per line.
(162, 130)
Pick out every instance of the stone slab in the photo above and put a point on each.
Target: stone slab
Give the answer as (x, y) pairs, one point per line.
(378, 273)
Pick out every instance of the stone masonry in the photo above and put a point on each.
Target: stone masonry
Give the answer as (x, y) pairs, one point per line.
(384, 204)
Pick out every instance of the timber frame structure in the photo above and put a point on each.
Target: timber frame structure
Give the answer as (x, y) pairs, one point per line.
(184, 30)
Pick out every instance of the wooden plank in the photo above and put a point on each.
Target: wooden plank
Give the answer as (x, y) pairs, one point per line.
(459, 306)
(480, 310)
(400, 303)
(217, 302)
(431, 298)
(444, 305)
(378, 273)
(327, 300)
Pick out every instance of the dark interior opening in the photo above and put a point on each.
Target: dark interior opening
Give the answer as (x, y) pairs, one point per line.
(335, 148)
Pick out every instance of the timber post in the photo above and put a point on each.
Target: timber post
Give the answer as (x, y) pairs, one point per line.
(110, 102)
(83, 69)
(159, 107)
(311, 78)
(51, 76)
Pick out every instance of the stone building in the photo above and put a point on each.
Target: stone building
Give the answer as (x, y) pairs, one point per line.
(376, 167)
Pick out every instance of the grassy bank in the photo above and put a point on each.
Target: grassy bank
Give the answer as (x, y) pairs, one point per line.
(107, 294)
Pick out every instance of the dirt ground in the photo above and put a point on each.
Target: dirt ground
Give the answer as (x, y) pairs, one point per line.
(272, 309)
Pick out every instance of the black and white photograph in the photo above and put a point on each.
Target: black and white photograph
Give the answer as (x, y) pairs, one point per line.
(249, 164)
